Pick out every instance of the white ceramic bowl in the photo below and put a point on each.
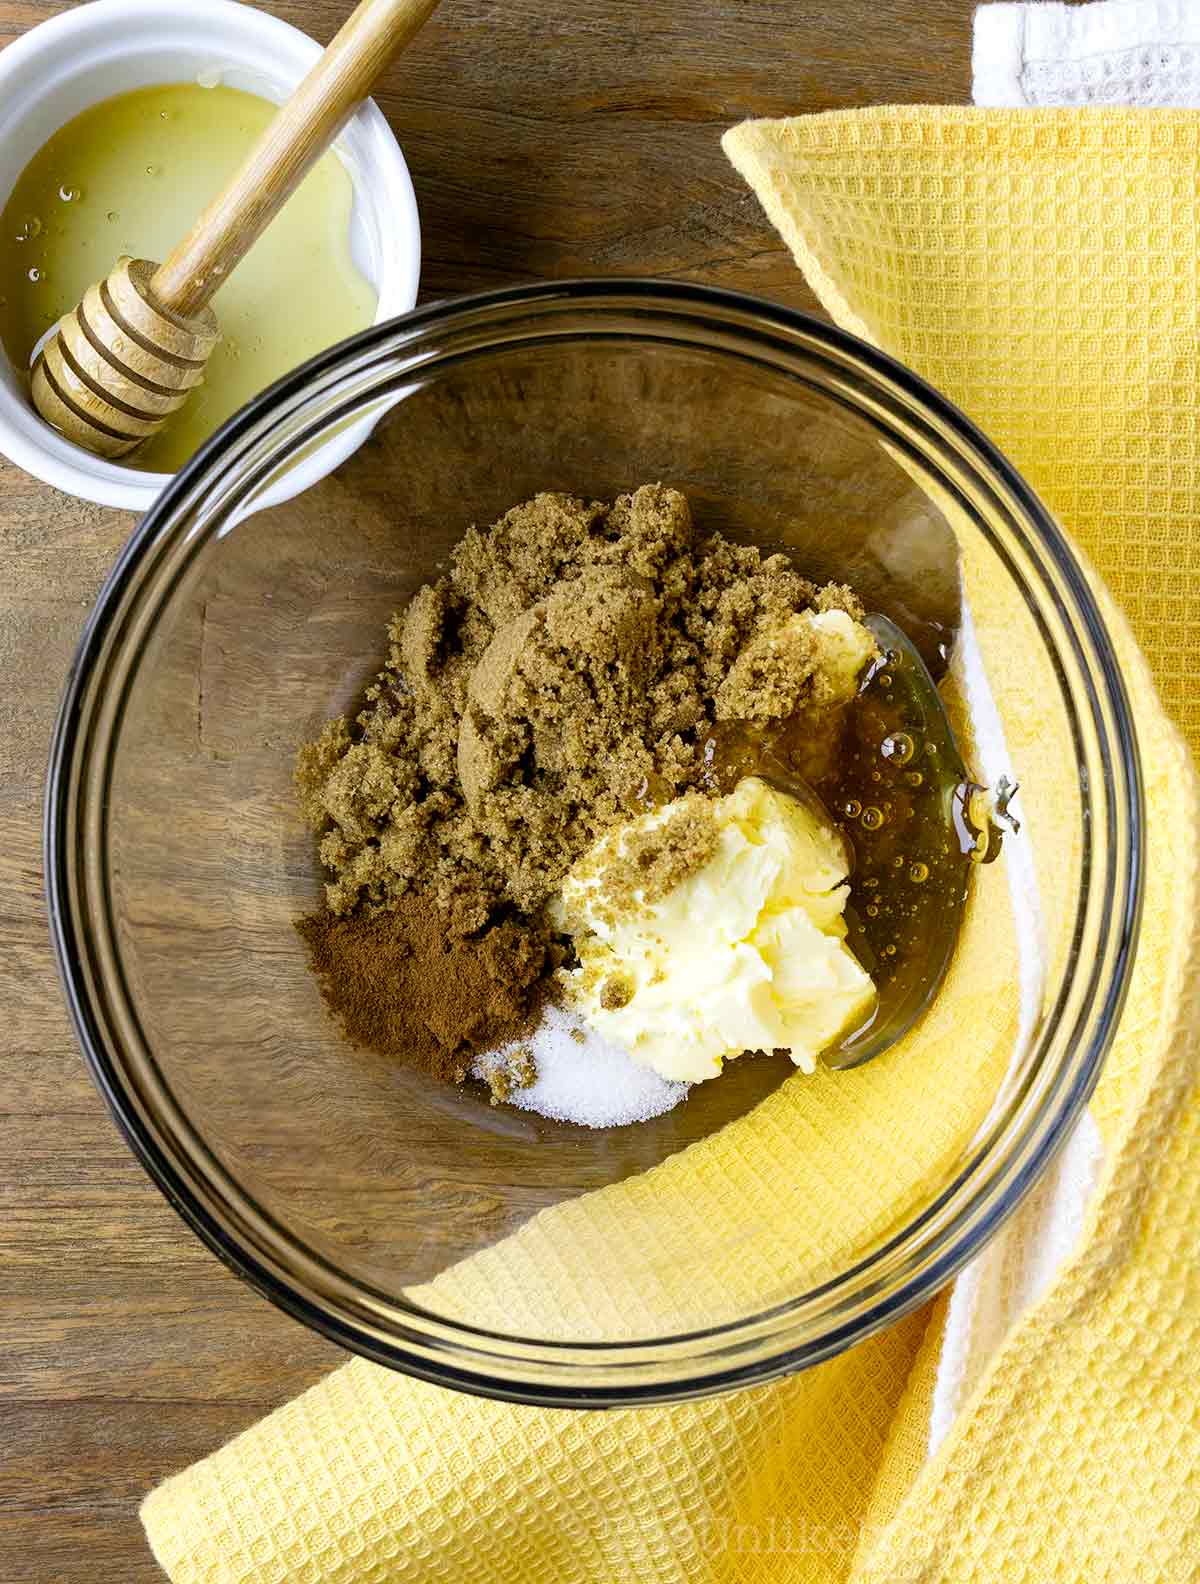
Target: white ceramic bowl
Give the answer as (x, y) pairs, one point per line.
(110, 46)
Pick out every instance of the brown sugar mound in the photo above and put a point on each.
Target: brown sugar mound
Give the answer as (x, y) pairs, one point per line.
(564, 676)
(400, 984)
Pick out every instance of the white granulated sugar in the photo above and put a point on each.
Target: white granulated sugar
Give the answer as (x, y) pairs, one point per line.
(588, 1080)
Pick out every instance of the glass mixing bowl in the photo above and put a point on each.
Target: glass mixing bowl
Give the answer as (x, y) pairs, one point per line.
(349, 1189)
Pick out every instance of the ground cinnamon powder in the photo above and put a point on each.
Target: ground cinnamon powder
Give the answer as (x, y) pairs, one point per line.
(400, 983)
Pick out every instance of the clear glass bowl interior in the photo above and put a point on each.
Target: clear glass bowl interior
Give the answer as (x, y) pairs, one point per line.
(348, 1187)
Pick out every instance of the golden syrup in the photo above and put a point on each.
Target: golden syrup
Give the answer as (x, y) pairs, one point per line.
(887, 770)
(130, 175)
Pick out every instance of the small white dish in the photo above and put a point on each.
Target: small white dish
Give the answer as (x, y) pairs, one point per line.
(94, 51)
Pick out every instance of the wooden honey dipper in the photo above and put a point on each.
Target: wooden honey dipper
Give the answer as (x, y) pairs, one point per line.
(115, 369)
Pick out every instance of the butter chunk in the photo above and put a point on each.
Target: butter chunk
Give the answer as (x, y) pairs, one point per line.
(844, 647)
(746, 952)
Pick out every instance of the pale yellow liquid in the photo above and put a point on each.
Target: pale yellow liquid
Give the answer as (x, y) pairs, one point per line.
(131, 175)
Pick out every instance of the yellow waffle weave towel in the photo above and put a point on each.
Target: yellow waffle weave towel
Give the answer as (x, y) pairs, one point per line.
(1040, 268)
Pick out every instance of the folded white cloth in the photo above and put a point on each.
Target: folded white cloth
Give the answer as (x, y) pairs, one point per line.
(1121, 52)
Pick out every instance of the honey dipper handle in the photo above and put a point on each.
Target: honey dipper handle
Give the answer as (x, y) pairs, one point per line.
(298, 134)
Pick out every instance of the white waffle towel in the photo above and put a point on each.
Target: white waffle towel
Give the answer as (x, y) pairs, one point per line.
(1119, 52)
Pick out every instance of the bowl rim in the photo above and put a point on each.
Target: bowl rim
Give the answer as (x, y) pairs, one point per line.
(554, 1372)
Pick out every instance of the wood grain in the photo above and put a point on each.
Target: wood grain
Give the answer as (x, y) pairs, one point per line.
(543, 140)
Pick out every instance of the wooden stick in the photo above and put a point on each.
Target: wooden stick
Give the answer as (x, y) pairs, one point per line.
(298, 135)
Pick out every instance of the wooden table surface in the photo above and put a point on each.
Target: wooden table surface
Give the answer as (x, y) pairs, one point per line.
(544, 140)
